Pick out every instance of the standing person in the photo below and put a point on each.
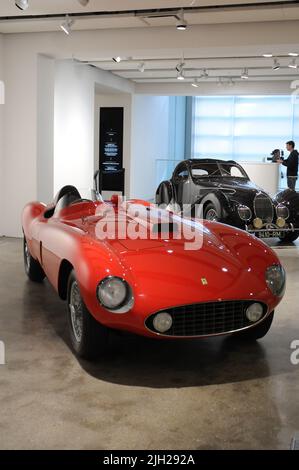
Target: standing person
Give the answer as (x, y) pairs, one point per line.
(292, 164)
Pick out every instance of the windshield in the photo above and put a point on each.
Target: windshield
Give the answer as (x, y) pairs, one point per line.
(218, 170)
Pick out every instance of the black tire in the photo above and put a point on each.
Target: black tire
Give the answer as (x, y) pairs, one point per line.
(257, 332)
(164, 193)
(290, 237)
(211, 212)
(32, 267)
(88, 337)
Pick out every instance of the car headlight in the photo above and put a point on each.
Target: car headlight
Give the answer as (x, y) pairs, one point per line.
(276, 279)
(162, 322)
(115, 294)
(282, 212)
(254, 312)
(244, 212)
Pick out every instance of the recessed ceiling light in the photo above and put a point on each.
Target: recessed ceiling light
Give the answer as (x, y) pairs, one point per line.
(293, 54)
(292, 64)
(66, 26)
(22, 4)
(276, 65)
(116, 59)
(268, 54)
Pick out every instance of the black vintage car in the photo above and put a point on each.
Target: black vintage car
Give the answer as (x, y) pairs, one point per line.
(222, 191)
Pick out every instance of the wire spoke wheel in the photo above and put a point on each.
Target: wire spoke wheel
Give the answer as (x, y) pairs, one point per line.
(76, 312)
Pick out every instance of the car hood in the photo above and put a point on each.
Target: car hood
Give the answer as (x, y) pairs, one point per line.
(229, 264)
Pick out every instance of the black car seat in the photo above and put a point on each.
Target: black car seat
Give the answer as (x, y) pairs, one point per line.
(66, 196)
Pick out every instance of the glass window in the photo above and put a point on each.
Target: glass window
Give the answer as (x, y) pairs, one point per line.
(242, 127)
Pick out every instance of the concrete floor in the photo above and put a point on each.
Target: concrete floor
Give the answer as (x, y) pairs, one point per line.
(209, 394)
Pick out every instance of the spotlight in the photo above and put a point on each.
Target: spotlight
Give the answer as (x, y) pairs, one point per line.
(276, 65)
(180, 70)
(268, 55)
(195, 83)
(293, 54)
(181, 24)
(292, 64)
(84, 3)
(22, 4)
(141, 67)
(116, 59)
(204, 74)
(244, 74)
(66, 26)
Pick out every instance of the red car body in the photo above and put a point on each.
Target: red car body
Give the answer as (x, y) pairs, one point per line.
(229, 267)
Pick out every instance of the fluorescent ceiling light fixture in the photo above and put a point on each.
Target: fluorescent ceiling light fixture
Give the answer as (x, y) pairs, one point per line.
(141, 67)
(293, 54)
(84, 3)
(276, 65)
(181, 23)
(244, 74)
(267, 55)
(66, 26)
(116, 59)
(292, 64)
(22, 4)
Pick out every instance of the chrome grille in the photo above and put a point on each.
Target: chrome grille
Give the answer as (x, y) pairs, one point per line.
(263, 207)
(204, 319)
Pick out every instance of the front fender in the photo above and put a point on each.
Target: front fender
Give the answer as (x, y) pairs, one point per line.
(290, 199)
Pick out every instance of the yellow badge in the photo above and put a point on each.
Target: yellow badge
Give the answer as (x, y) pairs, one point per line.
(204, 281)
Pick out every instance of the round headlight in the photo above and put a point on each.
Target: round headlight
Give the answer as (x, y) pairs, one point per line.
(282, 211)
(258, 223)
(254, 312)
(280, 222)
(162, 322)
(115, 294)
(244, 212)
(276, 278)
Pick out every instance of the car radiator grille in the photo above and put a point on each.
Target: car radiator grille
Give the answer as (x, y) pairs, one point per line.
(204, 319)
(263, 207)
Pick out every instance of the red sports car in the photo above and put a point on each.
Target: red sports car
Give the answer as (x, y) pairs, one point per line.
(150, 285)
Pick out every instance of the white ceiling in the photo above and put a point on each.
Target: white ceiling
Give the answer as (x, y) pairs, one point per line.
(159, 67)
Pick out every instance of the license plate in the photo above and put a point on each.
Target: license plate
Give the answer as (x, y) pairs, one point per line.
(271, 234)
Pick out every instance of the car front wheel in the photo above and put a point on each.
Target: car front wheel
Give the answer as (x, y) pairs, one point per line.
(258, 331)
(88, 337)
(290, 237)
(211, 212)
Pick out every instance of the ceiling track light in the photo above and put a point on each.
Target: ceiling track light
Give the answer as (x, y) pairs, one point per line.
(276, 64)
(204, 74)
(293, 54)
(244, 74)
(116, 59)
(268, 55)
(181, 23)
(195, 83)
(180, 71)
(22, 4)
(66, 26)
(292, 64)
